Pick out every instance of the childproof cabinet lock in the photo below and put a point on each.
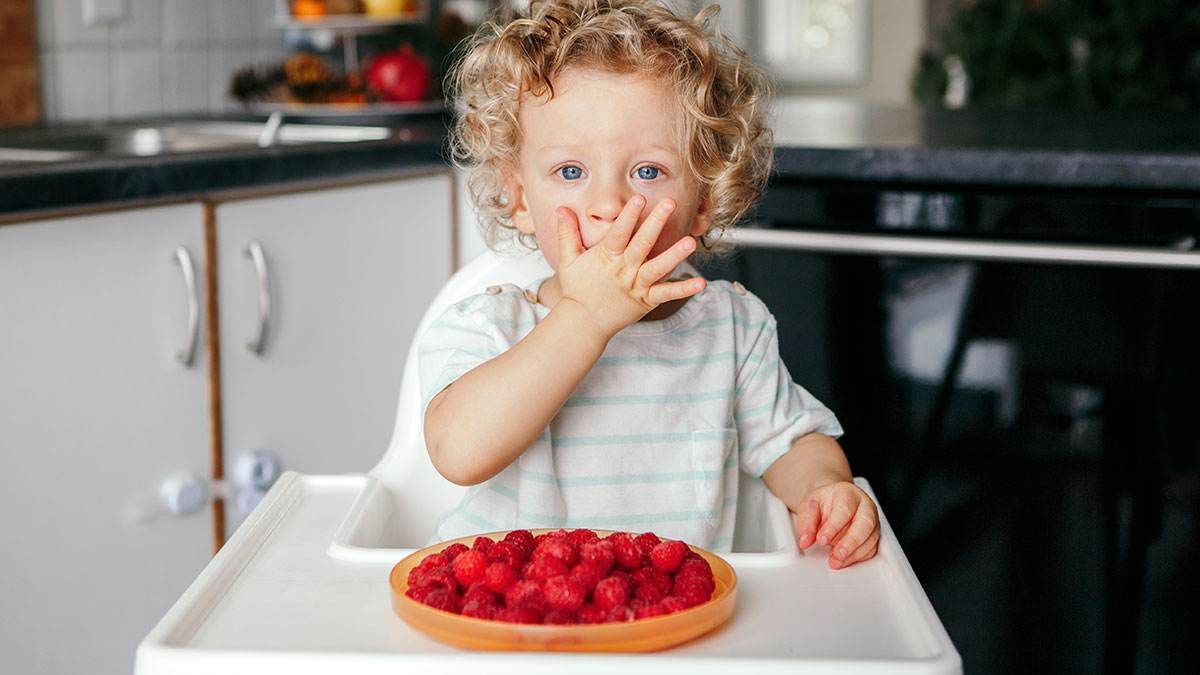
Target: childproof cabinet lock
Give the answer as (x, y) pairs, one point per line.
(185, 493)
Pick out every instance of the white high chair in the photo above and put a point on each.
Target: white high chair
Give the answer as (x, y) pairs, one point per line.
(303, 583)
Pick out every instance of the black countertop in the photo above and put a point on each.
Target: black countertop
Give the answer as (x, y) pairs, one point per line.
(817, 140)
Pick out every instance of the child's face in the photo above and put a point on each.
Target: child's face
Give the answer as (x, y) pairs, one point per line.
(601, 140)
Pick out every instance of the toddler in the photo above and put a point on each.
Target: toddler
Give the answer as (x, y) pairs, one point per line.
(623, 391)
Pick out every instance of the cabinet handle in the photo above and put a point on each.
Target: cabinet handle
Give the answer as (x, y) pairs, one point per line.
(255, 253)
(184, 260)
(962, 249)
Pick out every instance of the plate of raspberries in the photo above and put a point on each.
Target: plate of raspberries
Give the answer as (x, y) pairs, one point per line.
(564, 590)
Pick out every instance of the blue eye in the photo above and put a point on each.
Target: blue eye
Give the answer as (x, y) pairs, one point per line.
(570, 173)
(648, 172)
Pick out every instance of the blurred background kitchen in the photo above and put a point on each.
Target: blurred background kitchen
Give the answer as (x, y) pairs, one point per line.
(1004, 316)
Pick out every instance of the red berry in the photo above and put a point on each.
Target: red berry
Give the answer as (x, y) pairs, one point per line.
(599, 553)
(651, 610)
(611, 592)
(692, 591)
(561, 616)
(626, 552)
(499, 576)
(673, 603)
(592, 613)
(479, 591)
(469, 567)
(544, 568)
(582, 536)
(557, 547)
(563, 592)
(454, 550)
(668, 555)
(419, 593)
(439, 576)
(442, 599)
(648, 576)
(621, 613)
(482, 543)
(588, 575)
(520, 614)
(646, 542)
(481, 609)
(651, 593)
(522, 539)
(508, 552)
(525, 592)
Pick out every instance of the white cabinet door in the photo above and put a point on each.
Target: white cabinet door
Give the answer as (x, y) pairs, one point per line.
(95, 412)
(350, 270)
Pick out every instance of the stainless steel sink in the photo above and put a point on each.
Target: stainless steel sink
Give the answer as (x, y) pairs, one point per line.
(140, 140)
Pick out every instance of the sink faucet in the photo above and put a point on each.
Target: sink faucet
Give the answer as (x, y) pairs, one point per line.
(270, 130)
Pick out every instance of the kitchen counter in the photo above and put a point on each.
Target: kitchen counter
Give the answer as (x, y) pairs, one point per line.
(818, 140)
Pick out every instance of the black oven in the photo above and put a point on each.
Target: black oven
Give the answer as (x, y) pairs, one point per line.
(1016, 369)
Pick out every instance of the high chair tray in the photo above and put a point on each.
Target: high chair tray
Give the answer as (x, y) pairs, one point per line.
(283, 594)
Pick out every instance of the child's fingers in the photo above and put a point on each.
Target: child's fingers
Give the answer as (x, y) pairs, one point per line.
(643, 240)
(862, 527)
(807, 520)
(570, 241)
(866, 551)
(617, 238)
(835, 519)
(662, 264)
(675, 290)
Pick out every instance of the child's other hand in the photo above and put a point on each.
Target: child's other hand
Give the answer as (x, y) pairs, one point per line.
(842, 516)
(613, 280)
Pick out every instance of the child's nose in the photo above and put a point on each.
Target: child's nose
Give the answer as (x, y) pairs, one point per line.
(606, 203)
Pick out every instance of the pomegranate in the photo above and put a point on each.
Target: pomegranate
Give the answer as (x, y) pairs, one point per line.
(399, 75)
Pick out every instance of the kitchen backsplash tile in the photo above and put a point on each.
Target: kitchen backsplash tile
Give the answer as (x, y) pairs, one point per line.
(84, 84)
(164, 56)
(137, 82)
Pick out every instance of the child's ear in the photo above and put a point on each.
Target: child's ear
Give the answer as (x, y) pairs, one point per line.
(518, 207)
(703, 222)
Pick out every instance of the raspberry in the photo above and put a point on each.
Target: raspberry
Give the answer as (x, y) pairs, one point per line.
(582, 536)
(648, 576)
(561, 616)
(525, 592)
(519, 614)
(611, 592)
(692, 591)
(419, 593)
(499, 576)
(563, 592)
(544, 568)
(592, 613)
(646, 542)
(651, 593)
(481, 609)
(621, 613)
(482, 544)
(626, 552)
(588, 575)
(557, 547)
(522, 539)
(695, 567)
(442, 599)
(454, 550)
(469, 567)
(438, 576)
(668, 555)
(435, 560)
(598, 553)
(508, 552)
(673, 603)
(651, 610)
(479, 591)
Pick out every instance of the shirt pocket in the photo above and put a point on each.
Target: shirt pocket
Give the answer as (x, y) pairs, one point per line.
(712, 450)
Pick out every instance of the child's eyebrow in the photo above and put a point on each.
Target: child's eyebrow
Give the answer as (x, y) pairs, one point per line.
(575, 147)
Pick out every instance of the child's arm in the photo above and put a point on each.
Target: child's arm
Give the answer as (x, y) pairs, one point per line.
(482, 422)
(814, 480)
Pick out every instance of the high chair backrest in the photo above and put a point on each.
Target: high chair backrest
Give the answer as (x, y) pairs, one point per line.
(418, 490)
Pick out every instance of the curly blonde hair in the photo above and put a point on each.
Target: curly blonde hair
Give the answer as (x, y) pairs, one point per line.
(721, 97)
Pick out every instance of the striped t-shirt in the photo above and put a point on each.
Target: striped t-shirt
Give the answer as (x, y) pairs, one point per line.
(654, 436)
